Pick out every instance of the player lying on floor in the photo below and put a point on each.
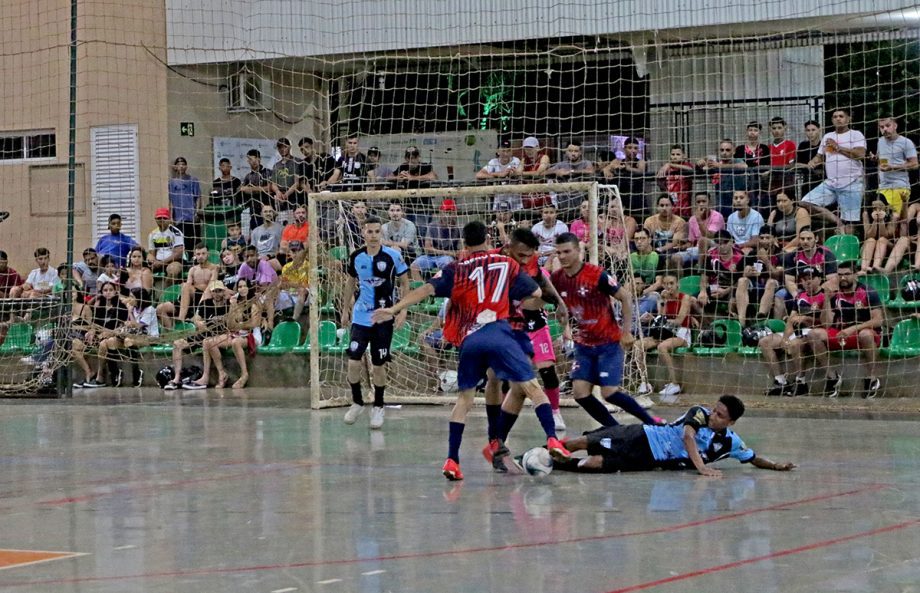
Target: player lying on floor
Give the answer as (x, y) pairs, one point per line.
(699, 437)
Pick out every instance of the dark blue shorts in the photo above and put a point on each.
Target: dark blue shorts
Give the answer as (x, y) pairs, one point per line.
(524, 341)
(494, 346)
(599, 365)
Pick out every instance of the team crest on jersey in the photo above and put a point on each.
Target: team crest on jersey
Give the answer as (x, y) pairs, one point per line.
(582, 291)
(564, 294)
(382, 265)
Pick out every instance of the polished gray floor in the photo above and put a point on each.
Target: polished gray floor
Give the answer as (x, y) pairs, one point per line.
(216, 493)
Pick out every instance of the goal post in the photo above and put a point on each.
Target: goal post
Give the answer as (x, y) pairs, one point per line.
(417, 364)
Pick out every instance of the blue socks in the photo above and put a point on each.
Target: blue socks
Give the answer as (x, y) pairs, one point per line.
(493, 411)
(597, 410)
(625, 401)
(456, 436)
(545, 416)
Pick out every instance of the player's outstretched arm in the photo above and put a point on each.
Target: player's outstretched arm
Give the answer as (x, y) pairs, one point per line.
(693, 453)
(413, 298)
(764, 463)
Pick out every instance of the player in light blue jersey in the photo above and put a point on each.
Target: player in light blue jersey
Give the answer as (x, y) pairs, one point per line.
(699, 437)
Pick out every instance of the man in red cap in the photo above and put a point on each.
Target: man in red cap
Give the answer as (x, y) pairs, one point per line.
(165, 246)
(442, 242)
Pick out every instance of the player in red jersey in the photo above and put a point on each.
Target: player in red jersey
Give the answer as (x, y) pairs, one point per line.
(586, 290)
(481, 288)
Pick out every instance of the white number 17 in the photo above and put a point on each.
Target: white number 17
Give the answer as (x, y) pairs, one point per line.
(479, 276)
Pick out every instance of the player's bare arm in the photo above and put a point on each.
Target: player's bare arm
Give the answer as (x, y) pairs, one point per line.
(413, 298)
(693, 453)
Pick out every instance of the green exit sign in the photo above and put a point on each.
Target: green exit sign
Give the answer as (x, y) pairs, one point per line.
(186, 128)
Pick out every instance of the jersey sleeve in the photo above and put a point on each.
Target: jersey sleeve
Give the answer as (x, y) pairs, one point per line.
(399, 263)
(872, 295)
(696, 417)
(522, 287)
(351, 270)
(607, 285)
(740, 451)
(443, 281)
(830, 262)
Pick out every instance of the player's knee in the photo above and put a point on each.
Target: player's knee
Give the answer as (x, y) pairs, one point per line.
(549, 377)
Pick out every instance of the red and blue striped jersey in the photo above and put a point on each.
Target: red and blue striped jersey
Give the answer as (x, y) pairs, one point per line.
(481, 288)
(518, 317)
(587, 297)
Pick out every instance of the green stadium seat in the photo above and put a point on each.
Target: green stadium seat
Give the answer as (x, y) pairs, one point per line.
(171, 294)
(403, 340)
(778, 326)
(898, 301)
(167, 338)
(339, 253)
(905, 340)
(880, 284)
(732, 342)
(285, 337)
(844, 247)
(689, 285)
(18, 339)
(329, 339)
(555, 328)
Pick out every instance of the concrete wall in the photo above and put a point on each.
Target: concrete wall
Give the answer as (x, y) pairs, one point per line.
(121, 80)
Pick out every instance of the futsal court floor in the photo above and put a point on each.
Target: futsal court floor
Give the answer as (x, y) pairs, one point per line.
(206, 492)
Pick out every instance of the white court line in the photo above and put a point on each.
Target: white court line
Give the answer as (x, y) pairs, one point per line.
(128, 547)
(288, 590)
(372, 572)
(328, 581)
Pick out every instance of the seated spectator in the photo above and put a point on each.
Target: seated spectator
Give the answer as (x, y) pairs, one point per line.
(546, 231)
(628, 174)
(225, 190)
(433, 346)
(413, 173)
(166, 246)
(296, 231)
(647, 262)
(348, 224)
(256, 270)
(675, 178)
(853, 319)
(745, 222)
(137, 274)
(242, 325)
(574, 167)
(109, 273)
(761, 278)
(234, 241)
(116, 244)
(400, 233)
(721, 270)
(40, 281)
(295, 280)
(675, 307)
(140, 327)
(201, 274)
(502, 225)
(810, 303)
(442, 243)
(786, 220)
(9, 278)
(229, 270)
(701, 227)
(503, 167)
(108, 313)
(534, 164)
(647, 302)
(209, 320)
(728, 175)
(811, 255)
(85, 274)
(879, 230)
(665, 229)
(616, 231)
(580, 226)
(377, 172)
(266, 238)
(908, 234)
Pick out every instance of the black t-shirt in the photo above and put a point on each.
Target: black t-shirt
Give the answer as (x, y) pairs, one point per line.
(803, 154)
(226, 192)
(758, 157)
(420, 205)
(316, 170)
(353, 168)
(209, 310)
(752, 260)
(260, 178)
(111, 318)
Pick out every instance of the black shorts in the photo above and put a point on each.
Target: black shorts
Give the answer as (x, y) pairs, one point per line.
(624, 448)
(379, 337)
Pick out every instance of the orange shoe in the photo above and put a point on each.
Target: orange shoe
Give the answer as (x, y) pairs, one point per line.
(489, 450)
(451, 470)
(557, 450)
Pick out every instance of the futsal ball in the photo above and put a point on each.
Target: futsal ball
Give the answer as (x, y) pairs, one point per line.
(537, 462)
(448, 381)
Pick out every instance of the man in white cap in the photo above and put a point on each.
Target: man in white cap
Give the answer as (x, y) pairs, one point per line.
(534, 165)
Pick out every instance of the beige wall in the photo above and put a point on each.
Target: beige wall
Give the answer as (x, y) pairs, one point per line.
(195, 95)
(121, 80)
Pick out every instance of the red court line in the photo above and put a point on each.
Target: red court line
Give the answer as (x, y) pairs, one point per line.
(788, 552)
(462, 551)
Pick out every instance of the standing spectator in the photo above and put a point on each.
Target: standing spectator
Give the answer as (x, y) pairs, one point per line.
(351, 168)
(116, 244)
(675, 307)
(534, 164)
(442, 243)
(377, 172)
(676, 179)
(316, 168)
(721, 270)
(745, 222)
(879, 229)
(401, 234)
(896, 156)
(10, 278)
(853, 320)
(185, 201)
(297, 231)
(166, 246)
(503, 166)
(225, 190)
(701, 227)
(284, 179)
(256, 188)
(805, 153)
(728, 175)
(573, 168)
(414, 174)
(841, 152)
(40, 281)
(782, 160)
(761, 277)
(267, 236)
(756, 156)
(628, 174)
(647, 262)
(787, 220)
(665, 229)
(546, 231)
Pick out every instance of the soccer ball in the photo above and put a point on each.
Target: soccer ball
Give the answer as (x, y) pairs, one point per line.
(448, 381)
(537, 462)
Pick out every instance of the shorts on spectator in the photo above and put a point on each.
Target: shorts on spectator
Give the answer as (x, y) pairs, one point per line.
(848, 199)
(851, 342)
(684, 334)
(690, 256)
(432, 262)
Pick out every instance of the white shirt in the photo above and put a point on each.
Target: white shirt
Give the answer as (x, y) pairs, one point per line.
(547, 236)
(842, 171)
(43, 281)
(162, 242)
(148, 320)
(514, 201)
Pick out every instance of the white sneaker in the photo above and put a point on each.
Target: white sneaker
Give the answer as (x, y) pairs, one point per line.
(670, 389)
(645, 401)
(351, 416)
(376, 417)
(644, 389)
(557, 419)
